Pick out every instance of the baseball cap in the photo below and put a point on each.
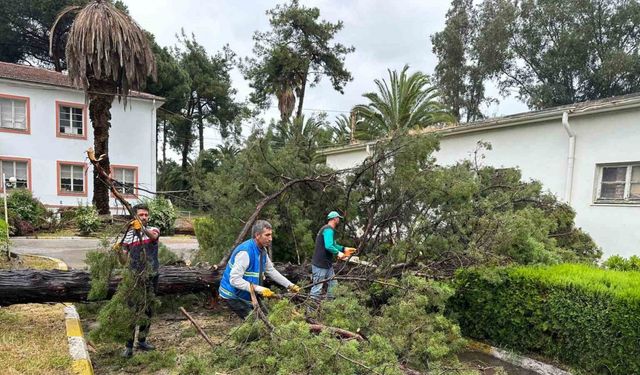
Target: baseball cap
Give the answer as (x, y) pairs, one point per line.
(333, 214)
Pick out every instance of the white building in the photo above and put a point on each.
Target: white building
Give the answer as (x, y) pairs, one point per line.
(45, 132)
(590, 160)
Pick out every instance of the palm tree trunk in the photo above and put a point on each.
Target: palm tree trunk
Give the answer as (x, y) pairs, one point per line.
(100, 114)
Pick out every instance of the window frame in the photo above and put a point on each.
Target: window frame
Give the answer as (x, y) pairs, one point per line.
(85, 180)
(135, 178)
(27, 100)
(626, 200)
(22, 160)
(82, 106)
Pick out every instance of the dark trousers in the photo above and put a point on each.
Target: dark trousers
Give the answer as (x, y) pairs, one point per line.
(242, 307)
(143, 330)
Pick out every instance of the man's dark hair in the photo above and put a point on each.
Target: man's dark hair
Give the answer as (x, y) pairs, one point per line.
(141, 206)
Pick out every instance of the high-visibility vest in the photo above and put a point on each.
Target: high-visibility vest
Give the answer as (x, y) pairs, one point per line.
(252, 274)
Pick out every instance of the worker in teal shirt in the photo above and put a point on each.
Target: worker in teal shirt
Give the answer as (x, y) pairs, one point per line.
(322, 262)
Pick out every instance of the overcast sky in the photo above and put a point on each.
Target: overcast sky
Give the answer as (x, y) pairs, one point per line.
(386, 35)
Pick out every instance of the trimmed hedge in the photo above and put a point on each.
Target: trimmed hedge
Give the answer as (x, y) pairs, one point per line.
(581, 315)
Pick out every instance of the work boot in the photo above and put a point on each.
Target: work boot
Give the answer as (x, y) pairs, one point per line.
(127, 353)
(145, 346)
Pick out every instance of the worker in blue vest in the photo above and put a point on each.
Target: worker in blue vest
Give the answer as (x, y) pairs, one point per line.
(248, 264)
(322, 263)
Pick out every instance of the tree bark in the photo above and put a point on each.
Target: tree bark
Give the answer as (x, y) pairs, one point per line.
(38, 286)
(200, 127)
(100, 114)
(301, 94)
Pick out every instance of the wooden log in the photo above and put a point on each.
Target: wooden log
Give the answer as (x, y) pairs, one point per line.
(39, 286)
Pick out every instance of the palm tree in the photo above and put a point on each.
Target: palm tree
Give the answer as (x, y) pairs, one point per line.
(404, 103)
(107, 55)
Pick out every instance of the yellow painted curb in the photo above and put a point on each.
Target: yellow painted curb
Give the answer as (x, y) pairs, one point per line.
(73, 327)
(82, 366)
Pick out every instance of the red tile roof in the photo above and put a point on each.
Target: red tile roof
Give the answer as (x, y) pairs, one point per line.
(26, 73)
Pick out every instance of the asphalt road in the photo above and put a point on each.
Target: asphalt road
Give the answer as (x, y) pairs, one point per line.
(72, 250)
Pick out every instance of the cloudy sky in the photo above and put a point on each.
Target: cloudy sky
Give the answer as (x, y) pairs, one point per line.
(386, 35)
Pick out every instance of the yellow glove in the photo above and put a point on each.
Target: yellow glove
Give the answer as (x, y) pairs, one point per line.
(267, 293)
(293, 288)
(135, 224)
(348, 251)
(117, 247)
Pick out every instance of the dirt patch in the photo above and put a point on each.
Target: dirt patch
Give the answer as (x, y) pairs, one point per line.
(174, 337)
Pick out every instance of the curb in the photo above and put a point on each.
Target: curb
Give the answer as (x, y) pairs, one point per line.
(77, 345)
(517, 360)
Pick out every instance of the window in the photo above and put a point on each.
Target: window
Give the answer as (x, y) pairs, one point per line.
(71, 120)
(619, 183)
(18, 169)
(71, 178)
(126, 179)
(14, 113)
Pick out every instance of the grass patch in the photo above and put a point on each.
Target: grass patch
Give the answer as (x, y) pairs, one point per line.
(33, 340)
(27, 262)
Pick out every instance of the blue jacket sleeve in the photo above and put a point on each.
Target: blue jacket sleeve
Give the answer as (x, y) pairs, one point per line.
(330, 243)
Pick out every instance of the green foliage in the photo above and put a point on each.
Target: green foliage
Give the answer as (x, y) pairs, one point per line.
(459, 215)
(582, 315)
(619, 263)
(162, 215)
(410, 329)
(26, 213)
(213, 239)
(4, 239)
(127, 308)
(165, 256)
(102, 263)
(86, 219)
(552, 53)
(406, 102)
(298, 46)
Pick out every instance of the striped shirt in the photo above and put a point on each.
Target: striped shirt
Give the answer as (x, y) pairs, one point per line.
(138, 245)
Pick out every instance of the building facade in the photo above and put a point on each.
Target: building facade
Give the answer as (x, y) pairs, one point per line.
(587, 154)
(45, 132)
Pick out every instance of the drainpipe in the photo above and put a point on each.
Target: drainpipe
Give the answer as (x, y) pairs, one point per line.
(568, 187)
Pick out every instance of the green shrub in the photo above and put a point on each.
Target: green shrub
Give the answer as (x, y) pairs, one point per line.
(165, 256)
(162, 215)
(584, 316)
(26, 213)
(86, 219)
(619, 263)
(213, 240)
(4, 240)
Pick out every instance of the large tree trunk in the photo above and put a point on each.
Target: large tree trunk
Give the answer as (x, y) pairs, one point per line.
(100, 114)
(37, 286)
(301, 91)
(200, 127)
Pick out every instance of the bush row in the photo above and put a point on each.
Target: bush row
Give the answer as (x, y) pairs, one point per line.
(581, 315)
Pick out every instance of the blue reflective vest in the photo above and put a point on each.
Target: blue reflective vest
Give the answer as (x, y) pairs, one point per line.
(251, 274)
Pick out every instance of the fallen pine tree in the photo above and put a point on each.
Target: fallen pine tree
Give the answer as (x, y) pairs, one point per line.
(38, 286)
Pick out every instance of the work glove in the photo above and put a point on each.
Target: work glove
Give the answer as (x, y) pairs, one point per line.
(136, 224)
(267, 293)
(293, 288)
(341, 256)
(348, 251)
(117, 247)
